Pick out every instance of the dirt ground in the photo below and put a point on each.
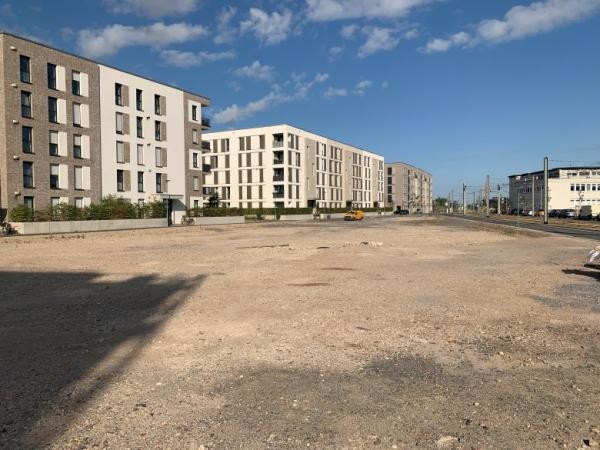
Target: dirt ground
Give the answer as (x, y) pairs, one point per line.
(390, 333)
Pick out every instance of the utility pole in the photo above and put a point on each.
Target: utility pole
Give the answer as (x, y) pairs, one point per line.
(474, 194)
(499, 201)
(487, 195)
(532, 195)
(546, 195)
(452, 201)
(464, 200)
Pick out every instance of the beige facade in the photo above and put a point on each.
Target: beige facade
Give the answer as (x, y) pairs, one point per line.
(49, 126)
(287, 167)
(409, 188)
(568, 188)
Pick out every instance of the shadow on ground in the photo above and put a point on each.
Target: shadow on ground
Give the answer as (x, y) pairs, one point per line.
(56, 328)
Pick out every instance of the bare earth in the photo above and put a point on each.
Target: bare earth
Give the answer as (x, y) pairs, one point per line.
(390, 333)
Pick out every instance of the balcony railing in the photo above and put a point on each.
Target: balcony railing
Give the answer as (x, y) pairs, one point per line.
(279, 177)
(278, 161)
(278, 194)
(205, 122)
(277, 144)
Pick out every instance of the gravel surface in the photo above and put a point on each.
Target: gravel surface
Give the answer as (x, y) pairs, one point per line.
(389, 333)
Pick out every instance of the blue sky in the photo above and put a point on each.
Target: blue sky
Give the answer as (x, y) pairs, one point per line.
(462, 88)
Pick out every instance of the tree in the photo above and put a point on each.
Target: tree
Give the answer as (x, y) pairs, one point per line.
(214, 200)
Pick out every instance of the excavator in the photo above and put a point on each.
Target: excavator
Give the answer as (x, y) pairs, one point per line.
(354, 215)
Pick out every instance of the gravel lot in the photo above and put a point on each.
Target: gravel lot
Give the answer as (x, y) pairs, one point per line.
(390, 333)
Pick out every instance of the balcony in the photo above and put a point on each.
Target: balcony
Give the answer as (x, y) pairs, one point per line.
(206, 168)
(205, 146)
(277, 144)
(278, 194)
(278, 178)
(209, 191)
(205, 123)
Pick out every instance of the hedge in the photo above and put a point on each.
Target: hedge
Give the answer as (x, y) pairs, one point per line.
(228, 212)
(109, 208)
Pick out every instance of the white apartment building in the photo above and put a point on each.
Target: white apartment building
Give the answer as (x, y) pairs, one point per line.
(409, 188)
(286, 167)
(149, 134)
(568, 188)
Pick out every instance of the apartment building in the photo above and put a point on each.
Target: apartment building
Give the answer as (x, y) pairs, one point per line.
(409, 188)
(151, 136)
(49, 126)
(568, 188)
(283, 166)
(73, 131)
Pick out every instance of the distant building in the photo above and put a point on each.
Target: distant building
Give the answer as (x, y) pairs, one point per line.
(409, 188)
(568, 188)
(286, 167)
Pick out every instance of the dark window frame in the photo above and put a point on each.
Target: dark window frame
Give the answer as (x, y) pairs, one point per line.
(140, 181)
(25, 69)
(53, 147)
(75, 84)
(52, 111)
(26, 109)
(54, 179)
(139, 124)
(139, 104)
(118, 94)
(51, 76)
(120, 180)
(28, 180)
(27, 145)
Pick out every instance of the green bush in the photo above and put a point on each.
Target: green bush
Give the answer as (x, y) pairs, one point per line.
(154, 210)
(21, 213)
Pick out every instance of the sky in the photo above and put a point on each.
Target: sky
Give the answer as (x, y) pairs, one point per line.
(460, 88)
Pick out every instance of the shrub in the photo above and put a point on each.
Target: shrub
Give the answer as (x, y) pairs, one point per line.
(21, 213)
(155, 210)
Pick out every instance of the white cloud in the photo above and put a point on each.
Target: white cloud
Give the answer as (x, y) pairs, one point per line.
(335, 52)
(348, 31)
(335, 92)
(190, 59)
(378, 39)
(326, 10)
(257, 71)
(362, 86)
(107, 41)
(225, 31)
(520, 22)
(275, 97)
(271, 28)
(152, 8)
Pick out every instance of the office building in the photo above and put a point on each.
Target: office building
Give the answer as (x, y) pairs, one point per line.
(409, 188)
(286, 167)
(568, 188)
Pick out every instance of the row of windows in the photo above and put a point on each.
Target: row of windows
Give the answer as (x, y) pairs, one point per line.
(51, 75)
(53, 144)
(79, 202)
(160, 102)
(53, 115)
(123, 182)
(585, 187)
(160, 128)
(55, 181)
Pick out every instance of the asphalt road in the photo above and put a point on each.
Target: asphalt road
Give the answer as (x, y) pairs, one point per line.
(568, 228)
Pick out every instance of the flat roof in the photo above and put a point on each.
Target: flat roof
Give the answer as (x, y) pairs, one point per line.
(293, 126)
(557, 168)
(409, 165)
(102, 64)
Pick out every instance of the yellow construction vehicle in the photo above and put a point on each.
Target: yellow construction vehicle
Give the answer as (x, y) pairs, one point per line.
(354, 214)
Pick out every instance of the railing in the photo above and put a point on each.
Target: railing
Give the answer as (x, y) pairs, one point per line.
(278, 194)
(205, 122)
(277, 144)
(278, 161)
(278, 177)
(205, 145)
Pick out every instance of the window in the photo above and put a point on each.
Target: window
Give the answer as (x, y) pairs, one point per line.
(77, 146)
(76, 114)
(157, 104)
(79, 202)
(196, 184)
(140, 127)
(78, 177)
(54, 171)
(120, 152)
(27, 174)
(196, 204)
(52, 110)
(119, 123)
(195, 160)
(158, 156)
(120, 176)
(140, 181)
(76, 83)
(27, 139)
(194, 136)
(25, 66)
(138, 99)
(28, 201)
(157, 129)
(51, 70)
(53, 143)
(118, 94)
(194, 112)
(54, 202)
(140, 154)
(159, 186)
(26, 104)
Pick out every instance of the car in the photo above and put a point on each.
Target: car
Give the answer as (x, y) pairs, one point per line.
(569, 214)
(401, 212)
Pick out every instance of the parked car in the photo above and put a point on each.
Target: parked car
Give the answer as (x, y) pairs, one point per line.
(554, 213)
(401, 212)
(585, 213)
(568, 214)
